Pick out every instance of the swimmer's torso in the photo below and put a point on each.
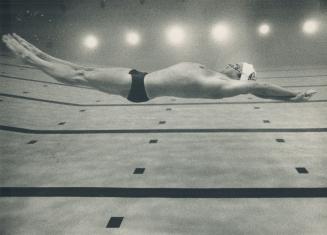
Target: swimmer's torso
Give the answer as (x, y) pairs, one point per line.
(184, 80)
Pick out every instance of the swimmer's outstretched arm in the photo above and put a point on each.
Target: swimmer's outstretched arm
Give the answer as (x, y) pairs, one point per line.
(44, 55)
(270, 91)
(265, 91)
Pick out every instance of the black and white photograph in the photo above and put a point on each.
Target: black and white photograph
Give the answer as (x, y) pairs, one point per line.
(163, 117)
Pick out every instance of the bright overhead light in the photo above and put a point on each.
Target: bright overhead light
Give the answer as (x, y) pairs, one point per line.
(175, 35)
(91, 41)
(220, 32)
(264, 29)
(133, 38)
(310, 26)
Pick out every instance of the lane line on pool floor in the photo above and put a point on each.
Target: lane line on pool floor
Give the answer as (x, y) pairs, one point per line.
(162, 131)
(289, 192)
(156, 104)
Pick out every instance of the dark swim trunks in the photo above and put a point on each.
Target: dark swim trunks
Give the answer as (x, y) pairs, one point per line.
(137, 92)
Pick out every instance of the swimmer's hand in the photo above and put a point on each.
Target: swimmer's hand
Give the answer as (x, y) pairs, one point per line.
(303, 96)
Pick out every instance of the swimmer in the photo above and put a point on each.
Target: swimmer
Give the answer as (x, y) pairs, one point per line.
(185, 80)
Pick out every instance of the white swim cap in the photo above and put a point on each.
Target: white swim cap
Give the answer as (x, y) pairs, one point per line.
(248, 72)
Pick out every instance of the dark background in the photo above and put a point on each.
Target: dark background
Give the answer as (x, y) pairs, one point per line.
(58, 27)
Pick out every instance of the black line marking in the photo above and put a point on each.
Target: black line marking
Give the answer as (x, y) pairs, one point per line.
(256, 107)
(296, 76)
(18, 66)
(42, 100)
(38, 81)
(61, 123)
(290, 69)
(162, 122)
(82, 110)
(289, 86)
(280, 140)
(168, 109)
(154, 104)
(139, 171)
(146, 131)
(302, 170)
(115, 222)
(153, 141)
(266, 121)
(163, 192)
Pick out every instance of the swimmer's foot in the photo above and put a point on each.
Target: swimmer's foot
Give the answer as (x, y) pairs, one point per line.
(304, 96)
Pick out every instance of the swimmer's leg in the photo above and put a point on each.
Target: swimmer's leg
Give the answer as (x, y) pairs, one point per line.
(42, 54)
(61, 72)
(115, 81)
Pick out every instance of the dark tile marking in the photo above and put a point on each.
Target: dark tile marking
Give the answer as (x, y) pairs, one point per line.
(25, 92)
(32, 142)
(302, 170)
(256, 107)
(115, 222)
(168, 109)
(162, 122)
(153, 141)
(1, 100)
(82, 110)
(61, 123)
(280, 140)
(266, 121)
(139, 170)
(114, 192)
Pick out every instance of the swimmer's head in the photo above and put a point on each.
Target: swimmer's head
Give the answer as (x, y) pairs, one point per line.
(240, 71)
